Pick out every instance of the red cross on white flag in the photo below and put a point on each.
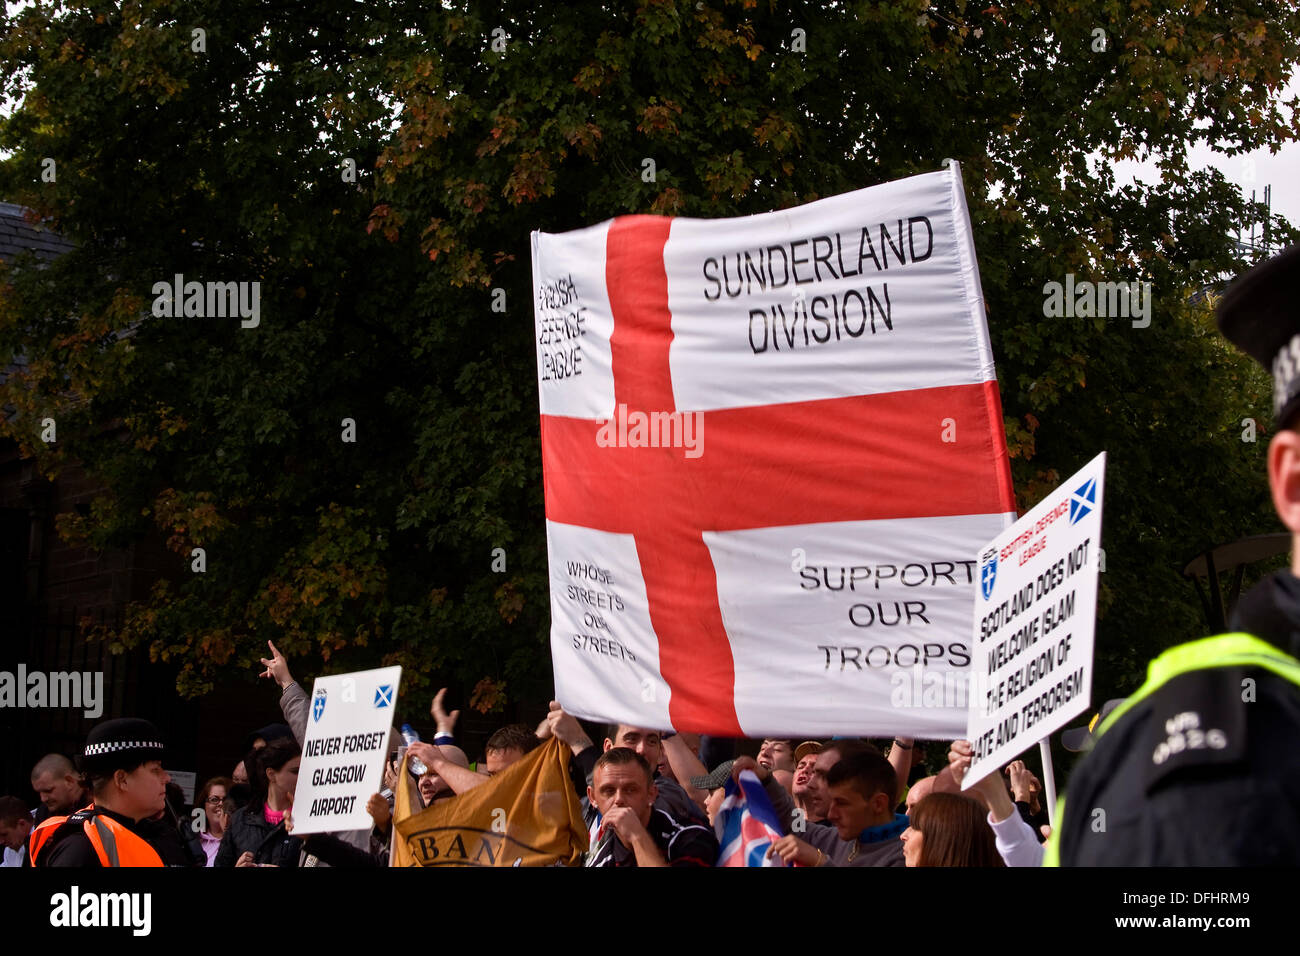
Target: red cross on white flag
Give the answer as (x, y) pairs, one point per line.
(772, 447)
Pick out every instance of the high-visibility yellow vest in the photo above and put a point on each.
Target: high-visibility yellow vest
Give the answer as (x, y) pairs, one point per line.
(1223, 650)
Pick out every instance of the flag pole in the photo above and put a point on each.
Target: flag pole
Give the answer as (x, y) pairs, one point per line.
(402, 780)
(1049, 779)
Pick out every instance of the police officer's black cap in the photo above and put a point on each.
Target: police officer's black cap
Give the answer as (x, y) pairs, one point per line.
(1079, 739)
(1260, 314)
(121, 744)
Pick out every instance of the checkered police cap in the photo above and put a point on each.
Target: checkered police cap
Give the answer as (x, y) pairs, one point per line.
(93, 750)
(121, 742)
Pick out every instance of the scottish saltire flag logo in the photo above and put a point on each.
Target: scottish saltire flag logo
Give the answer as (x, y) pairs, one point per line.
(318, 704)
(746, 825)
(988, 572)
(1083, 501)
(384, 695)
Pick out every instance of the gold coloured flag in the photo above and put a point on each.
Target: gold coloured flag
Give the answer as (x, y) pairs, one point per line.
(527, 815)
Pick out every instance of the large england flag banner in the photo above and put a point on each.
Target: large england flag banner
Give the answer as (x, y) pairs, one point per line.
(772, 447)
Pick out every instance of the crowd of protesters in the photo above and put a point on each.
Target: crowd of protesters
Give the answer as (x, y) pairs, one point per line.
(647, 797)
(1198, 766)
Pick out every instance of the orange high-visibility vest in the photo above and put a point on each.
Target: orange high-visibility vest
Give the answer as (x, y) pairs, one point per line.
(114, 844)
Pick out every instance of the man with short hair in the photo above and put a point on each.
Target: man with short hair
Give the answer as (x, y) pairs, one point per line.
(830, 755)
(776, 755)
(59, 786)
(862, 789)
(505, 747)
(628, 829)
(123, 761)
(676, 799)
(646, 743)
(805, 760)
(15, 826)
(508, 746)
(433, 787)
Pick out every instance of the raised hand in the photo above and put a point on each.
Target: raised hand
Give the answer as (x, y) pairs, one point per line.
(1020, 780)
(959, 759)
(624, 822)
(446, 722)
(377, 807)
(565, 727)
(277, 668)
(428, 754)
(748, 763)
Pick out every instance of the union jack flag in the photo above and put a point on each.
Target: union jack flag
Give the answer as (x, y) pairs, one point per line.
(746, 825)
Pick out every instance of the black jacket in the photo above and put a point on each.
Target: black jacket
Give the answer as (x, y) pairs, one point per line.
(193, 843)
(168, 836)
(682, 844)
(332, 851)
(1200, 766)
(249, 830)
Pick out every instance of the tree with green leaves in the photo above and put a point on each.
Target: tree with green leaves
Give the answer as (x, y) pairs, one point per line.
(361, 469)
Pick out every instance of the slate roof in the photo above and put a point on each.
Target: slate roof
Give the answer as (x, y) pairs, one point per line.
(18, 235)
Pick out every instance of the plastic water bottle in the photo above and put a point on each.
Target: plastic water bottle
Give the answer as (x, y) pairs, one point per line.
(411, 737)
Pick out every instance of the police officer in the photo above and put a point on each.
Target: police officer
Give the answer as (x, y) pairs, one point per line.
(123, 762)
(1199, 766)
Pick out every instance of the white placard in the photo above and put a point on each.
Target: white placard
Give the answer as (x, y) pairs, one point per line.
(344, 749)
(185, 779)
(1035, 617)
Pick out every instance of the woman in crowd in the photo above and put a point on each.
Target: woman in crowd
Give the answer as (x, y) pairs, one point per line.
(212, 801)
(255, 835)
(949, 829)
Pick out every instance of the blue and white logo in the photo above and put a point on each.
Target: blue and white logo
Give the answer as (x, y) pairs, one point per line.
(383, 695)
(1083, 500)
(318, 704)
(988, 572)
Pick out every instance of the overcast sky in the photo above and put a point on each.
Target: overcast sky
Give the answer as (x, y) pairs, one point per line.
(1280, 170)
